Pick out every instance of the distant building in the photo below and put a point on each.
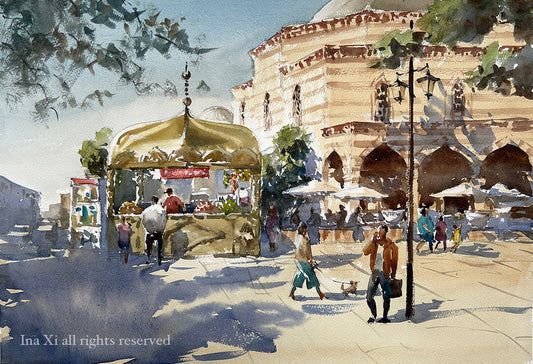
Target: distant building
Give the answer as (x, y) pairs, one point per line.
(317, 76)
(18, 205)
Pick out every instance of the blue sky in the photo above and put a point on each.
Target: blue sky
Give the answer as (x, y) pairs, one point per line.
(43, 156)
(235, 27)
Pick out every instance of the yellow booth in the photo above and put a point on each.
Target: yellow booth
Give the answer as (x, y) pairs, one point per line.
(213, 167)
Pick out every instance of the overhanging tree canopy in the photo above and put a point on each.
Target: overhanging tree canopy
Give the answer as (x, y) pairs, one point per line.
(450, 22)
(45, 46)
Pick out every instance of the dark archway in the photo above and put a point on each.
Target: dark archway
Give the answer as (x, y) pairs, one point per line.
(384, 170)
(333, 168)
(509, 165)
(442, 169)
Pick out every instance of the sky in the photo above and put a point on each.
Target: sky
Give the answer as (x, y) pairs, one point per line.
(43, 156)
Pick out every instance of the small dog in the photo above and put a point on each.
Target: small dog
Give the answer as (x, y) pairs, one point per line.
(350, 289)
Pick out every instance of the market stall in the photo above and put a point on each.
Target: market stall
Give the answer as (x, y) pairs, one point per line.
(213, 167)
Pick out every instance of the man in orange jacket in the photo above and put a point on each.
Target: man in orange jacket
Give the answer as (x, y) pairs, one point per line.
(382, 269)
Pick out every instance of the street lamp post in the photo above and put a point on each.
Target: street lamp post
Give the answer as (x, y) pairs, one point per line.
(410, 294)
(431, 80)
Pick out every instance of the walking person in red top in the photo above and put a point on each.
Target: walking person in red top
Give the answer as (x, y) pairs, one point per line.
(440, 233)
(172, 203)
(124, 241)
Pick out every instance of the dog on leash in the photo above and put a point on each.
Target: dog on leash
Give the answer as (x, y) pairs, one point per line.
(352, 288)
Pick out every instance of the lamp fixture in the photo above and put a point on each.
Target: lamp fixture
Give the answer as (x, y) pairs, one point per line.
(431, 81)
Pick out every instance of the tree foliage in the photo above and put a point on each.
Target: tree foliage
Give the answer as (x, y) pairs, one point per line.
(397, 45)
(45, 46)
(285, 167)
(450, 22)
(94, 153)
(453, 21)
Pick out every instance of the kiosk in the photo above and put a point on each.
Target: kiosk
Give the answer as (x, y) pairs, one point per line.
(213, 167)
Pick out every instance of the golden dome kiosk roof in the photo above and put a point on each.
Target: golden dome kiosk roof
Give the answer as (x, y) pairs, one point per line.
(185, 141)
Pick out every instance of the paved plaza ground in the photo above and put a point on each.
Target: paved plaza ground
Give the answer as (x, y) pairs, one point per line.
(474, 306)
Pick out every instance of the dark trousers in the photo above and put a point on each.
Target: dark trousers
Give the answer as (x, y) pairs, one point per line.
(150, 238)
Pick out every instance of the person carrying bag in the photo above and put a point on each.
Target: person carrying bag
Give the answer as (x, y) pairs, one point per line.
(383, 272)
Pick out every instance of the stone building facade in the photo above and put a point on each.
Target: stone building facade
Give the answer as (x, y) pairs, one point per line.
(317, 76)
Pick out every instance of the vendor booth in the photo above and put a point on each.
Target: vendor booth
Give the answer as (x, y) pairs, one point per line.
(214, 168)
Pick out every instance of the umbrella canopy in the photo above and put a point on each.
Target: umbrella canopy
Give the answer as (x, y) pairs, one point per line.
(501, 190)
(312, 188)
(462, 190)
(356, 192)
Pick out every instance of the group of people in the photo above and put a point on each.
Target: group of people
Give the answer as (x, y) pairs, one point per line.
(432, 233)
(154, 219)
(339, 218)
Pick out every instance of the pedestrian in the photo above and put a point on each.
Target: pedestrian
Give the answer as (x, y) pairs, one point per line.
(124, 239)
(440, 233)
(382, 268)
(341, 217)
(313, 225)
(173, 204)
(305, 264)
(456, 237)
(426, 230)
(356, 221)
(272, 227)
(154, 218)
(295, 218)
(330, 217)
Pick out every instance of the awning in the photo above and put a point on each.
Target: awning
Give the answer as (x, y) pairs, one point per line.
(464, 189)
(311, 188)
(356, 192)
(184, 141)
(84, 181)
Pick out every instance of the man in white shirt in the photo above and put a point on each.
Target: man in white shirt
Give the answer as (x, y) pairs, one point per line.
(154, 218)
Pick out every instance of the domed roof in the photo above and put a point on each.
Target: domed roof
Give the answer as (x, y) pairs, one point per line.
(185, 141)
(217, 113)
(342, 8)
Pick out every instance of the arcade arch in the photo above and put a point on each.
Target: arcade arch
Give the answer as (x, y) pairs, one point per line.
(384, 170)
(442, 169)
(509, 165)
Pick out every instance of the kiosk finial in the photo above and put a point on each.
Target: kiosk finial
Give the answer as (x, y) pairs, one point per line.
(187, 100)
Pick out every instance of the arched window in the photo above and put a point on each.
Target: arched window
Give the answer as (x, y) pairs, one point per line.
(333, 168)
(241, 114)
(297, 105)
(382, 103)
(267, 119)
(458, 100)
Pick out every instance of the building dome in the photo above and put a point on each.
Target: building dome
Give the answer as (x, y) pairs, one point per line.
(217, 113)
(341, 8)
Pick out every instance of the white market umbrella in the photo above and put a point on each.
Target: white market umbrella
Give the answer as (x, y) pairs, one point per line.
(501, 190)
(356, 192)
(462, 190)
(311, 188)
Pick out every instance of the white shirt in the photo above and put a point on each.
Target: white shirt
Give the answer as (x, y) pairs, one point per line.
(154, 218)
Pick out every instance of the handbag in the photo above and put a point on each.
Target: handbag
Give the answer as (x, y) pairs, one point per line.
(395, 288)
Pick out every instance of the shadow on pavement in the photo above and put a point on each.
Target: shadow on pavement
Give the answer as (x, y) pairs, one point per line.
(102, 302)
